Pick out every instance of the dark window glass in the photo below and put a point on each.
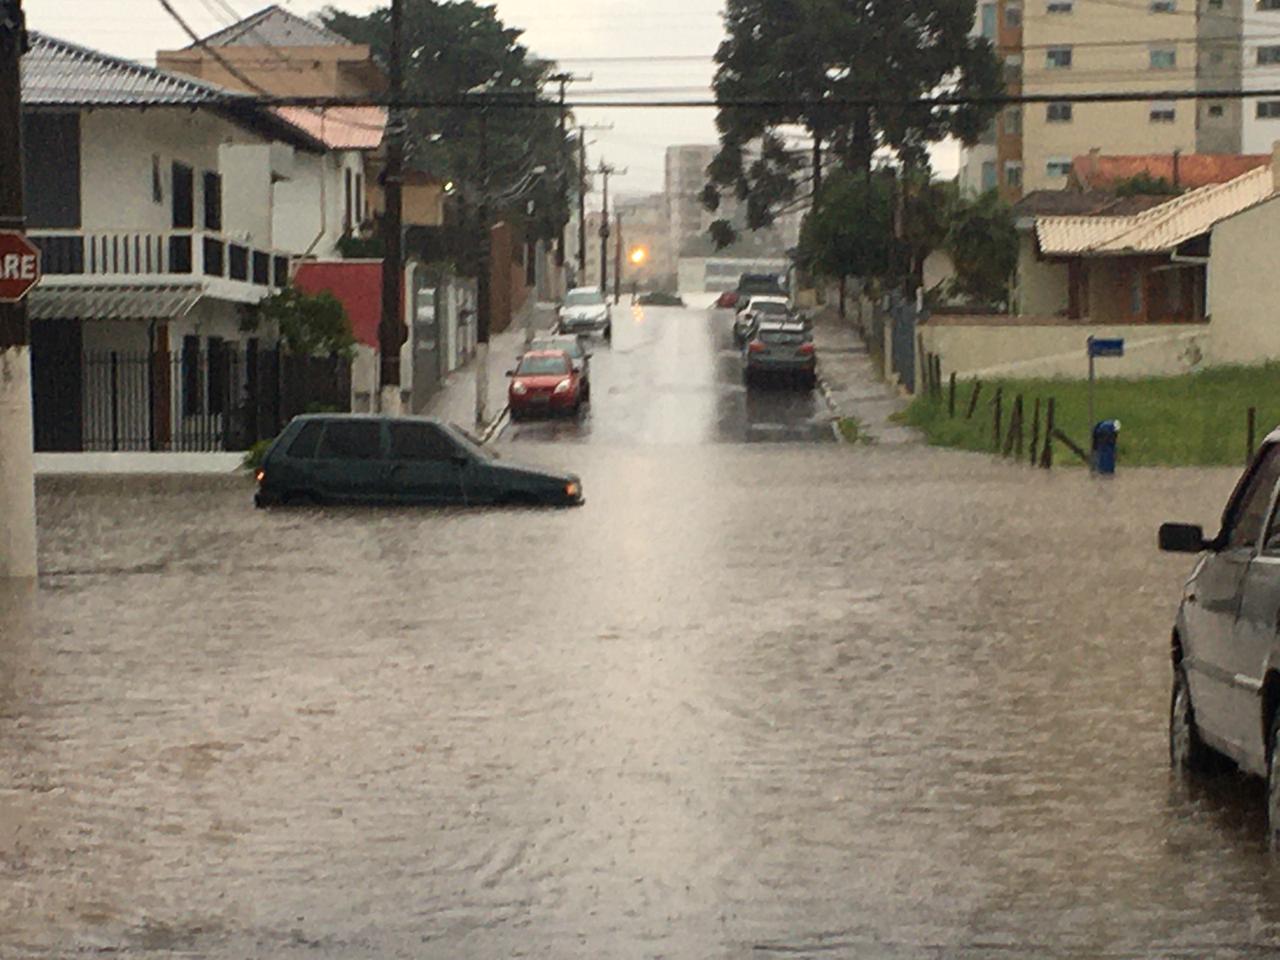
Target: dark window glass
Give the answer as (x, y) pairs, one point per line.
(219, 378)
(1251, 508)
(307, 441)
(192, 395)
(184, 210)
(213, 201)
(572, 347)
(352, 440)
(51, 169)
(420, 441)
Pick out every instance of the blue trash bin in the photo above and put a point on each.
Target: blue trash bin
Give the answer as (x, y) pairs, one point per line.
(1105, 435)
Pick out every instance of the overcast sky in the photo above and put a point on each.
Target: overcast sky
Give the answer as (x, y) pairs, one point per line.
(572, 32)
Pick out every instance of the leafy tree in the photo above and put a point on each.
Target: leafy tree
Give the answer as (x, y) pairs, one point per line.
(881, 226)
(450, 48)
(807, 59)
(310, 324)
(983, 244)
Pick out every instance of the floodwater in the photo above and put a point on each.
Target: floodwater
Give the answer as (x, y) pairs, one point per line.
(798, 700)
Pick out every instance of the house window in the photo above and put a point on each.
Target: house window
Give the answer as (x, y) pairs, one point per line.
(192, 397)
(1164, 6)
(213, 201)
(1058, 167)
(1013, 15)
(1058, 58)
(988, 175)
(1059, 6)
(157, 180)
(1013, 174)
(1216, 110)
(1268, 56)
(1013, 121)
(1058, 112)
(348, 209)
(1162, 111)
(1013, 68)
(1164, 58)
(360, 211)
(988, 14)
(1268, 109)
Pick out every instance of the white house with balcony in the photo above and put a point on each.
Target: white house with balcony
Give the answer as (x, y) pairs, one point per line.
(164, 207)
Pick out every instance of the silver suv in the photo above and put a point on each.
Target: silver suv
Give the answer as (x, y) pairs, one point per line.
(1226, 641)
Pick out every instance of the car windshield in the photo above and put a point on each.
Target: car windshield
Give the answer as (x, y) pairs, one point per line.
(542, 366)
(584, 298)
(783, 336)
(572, 347)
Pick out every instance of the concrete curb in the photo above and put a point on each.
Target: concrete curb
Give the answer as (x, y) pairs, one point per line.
(825, 389)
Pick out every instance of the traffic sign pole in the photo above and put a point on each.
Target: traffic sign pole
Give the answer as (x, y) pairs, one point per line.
(17, 473)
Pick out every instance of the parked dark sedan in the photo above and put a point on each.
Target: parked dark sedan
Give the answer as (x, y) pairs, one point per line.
(345, 458)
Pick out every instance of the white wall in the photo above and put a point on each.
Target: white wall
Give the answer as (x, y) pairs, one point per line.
(1043, 286)
(311, 204)
(247, 193)
(116, 153)
(1058, 350)
(1244, 286)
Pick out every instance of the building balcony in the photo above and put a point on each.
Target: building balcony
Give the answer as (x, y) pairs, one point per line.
(227, 269)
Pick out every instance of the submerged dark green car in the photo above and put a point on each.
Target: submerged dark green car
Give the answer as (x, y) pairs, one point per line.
(346, 458)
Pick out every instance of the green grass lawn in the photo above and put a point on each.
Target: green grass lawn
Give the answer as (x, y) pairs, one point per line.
(1196, 419)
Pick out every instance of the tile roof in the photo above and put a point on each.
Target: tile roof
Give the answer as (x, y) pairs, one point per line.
(276, 27)
(1090, 203)
(1159, 229)
(1104, 172)
(58, 73)
(340, 128)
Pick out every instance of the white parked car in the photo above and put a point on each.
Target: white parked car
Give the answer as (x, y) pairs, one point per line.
(585, 310)
(759, 307)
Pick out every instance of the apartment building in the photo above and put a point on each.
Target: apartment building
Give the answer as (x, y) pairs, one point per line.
(1260, 70)
(1110, 46)
(686, 177)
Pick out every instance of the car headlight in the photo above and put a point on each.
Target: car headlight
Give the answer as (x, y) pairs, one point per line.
(563, 386)
(519, 388)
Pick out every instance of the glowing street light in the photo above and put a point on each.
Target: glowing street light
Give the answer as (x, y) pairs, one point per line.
(638, 256)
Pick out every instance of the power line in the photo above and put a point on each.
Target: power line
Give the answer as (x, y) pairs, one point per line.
(199, 42)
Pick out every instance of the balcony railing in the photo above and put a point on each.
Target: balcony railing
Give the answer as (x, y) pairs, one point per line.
(157, 255)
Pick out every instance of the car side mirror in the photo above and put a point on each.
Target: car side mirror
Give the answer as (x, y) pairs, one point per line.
(1182, 538)
(511, 373)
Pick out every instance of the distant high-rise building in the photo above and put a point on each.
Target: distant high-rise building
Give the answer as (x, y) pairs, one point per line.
(1104, 46)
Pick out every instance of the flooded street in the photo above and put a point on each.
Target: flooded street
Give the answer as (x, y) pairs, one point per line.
(749, 701)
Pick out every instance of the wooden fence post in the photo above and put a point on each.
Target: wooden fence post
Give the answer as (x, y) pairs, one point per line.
(998, 403)
(1035, 433)
(973, 399)
(1014, 434)
(951, 396)
(1050, 425)
(937, 376)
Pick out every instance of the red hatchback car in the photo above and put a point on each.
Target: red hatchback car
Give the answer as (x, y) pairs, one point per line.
(544, 382)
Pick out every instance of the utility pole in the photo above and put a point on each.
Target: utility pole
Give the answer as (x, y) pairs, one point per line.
(617, 262)
(605, 172)
(391, 331)
(484, 299)
(582, 197)
(17, 471)
(562, 172)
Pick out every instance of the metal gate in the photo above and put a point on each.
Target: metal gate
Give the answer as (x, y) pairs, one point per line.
(903, 318)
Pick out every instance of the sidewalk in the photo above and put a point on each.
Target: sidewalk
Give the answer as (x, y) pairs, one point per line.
(455, 402)
(852, 384)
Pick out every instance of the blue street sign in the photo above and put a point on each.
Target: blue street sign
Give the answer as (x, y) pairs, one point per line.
(1099, 347)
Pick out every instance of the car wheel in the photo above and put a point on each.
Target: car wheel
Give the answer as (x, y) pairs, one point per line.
(1188, 754)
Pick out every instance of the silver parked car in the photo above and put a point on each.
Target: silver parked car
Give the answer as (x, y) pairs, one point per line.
(585, 310)
(781, 348)
(1226, 639)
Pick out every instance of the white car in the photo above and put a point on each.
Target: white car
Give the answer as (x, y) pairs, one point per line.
(585, 310)
(758, 307)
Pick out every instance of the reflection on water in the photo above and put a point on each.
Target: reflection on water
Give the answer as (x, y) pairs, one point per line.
(747, 701)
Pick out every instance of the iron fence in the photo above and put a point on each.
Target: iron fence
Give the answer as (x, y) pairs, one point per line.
(222, 398)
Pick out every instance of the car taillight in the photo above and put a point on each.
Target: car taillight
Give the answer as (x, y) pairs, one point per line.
(757, 346)
(806, 350)
(260, 476)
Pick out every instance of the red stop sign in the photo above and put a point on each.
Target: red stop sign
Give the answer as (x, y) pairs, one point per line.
(19, 266)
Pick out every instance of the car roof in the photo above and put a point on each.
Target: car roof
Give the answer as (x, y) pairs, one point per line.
(373, 417)
(767, 298)
(794, 325)
(586, 290)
